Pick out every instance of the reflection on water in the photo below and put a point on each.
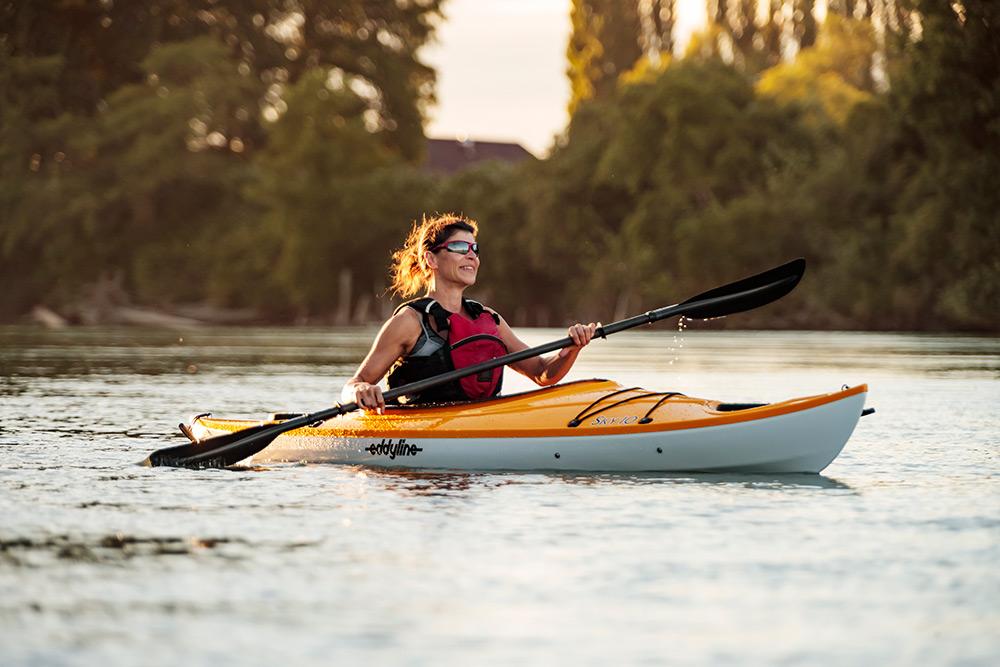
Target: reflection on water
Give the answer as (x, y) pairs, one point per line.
(27, 552)
(28, 352)
(431, 483)
(419, 483)
(312, 564)
(75, 352)
(744, 480)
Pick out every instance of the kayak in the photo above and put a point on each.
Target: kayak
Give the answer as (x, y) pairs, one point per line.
(588, 425)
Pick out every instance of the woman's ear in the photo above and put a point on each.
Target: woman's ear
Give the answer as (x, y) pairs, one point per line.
(430, 259)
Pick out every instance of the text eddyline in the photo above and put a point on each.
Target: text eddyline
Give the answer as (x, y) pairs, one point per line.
(393, 449)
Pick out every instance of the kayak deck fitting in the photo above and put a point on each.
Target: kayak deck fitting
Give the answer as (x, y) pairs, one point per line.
(587, 425)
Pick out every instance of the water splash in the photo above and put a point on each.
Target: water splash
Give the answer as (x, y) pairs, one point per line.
(677, 343)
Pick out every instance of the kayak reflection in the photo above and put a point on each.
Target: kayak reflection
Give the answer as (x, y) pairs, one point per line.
(425, 483)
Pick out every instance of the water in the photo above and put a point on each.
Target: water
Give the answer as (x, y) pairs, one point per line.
(890, 557)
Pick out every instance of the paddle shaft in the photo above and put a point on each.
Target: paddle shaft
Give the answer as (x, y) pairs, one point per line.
(648, 317)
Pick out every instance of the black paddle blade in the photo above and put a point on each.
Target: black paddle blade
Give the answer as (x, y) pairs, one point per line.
(217, 452)
(748, 293)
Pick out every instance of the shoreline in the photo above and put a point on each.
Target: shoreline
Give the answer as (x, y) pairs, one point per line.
(145, 318)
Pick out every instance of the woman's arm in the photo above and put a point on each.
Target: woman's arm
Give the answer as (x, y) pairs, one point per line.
(394, 340)
(545, 371)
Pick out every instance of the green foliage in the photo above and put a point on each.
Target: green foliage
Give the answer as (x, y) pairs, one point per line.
(494, 193)
(946, 111)
(140, 180)
(830, 78)
(333, 194)
(693, 173)
(273, 41)
(262, 155)
(604, 44)
(658, 187)
(138, 144)
(28, 95)
(749, 39)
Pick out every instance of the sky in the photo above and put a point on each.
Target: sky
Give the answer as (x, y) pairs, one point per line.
(501, 67)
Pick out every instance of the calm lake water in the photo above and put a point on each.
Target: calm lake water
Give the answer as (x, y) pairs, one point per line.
(891, 556)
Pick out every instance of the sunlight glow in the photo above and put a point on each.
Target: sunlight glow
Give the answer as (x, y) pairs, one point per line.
(502, 69)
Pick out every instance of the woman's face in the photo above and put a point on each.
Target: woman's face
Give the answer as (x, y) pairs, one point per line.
(453, 266)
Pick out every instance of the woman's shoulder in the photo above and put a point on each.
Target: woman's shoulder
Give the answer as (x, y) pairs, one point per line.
(404, 324)
(415, 305)
(406, 316)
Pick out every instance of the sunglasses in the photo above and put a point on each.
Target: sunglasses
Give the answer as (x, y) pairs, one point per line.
(460, 247)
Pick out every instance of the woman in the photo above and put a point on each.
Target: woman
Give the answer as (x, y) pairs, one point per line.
(424, 337)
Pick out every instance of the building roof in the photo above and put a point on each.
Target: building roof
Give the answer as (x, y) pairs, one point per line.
(450, 155)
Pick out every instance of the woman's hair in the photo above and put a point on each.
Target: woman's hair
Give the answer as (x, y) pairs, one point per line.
(410, 272)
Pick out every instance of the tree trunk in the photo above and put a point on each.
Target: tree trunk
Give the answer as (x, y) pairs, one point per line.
(343, 314)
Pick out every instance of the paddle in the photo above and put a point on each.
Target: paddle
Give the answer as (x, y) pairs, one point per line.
(742, 295)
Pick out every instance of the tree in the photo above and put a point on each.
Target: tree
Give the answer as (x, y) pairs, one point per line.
(829, 78)
(331, 193)
(137, 184)
(494, 194)
(945, 108)
(661, 17)
(744, 38)
(804, 23)
(604, 44)
(651, 186)
(852, 8)
(132, 131)
(29, 92)
(275, 41)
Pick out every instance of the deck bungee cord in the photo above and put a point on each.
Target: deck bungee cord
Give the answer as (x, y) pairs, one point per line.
(587, 414)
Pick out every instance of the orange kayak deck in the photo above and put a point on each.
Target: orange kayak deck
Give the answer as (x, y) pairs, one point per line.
(598, 407)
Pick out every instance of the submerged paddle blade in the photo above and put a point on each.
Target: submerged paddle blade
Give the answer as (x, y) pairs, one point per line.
(217, 452)
(230, 448)
(746, 294)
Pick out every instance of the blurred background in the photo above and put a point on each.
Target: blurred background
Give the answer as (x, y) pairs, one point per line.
(257, 161)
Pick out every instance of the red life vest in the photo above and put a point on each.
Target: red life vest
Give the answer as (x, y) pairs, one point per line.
(458, 342)
(471, 342)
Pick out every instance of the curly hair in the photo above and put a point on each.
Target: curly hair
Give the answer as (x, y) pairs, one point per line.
(410, 272)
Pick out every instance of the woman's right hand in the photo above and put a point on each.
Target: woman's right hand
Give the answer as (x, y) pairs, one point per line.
(368, 396)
